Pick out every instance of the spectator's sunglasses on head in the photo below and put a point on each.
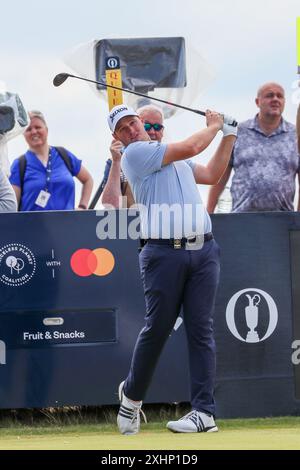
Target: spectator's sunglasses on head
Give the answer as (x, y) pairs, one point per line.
(156, 126)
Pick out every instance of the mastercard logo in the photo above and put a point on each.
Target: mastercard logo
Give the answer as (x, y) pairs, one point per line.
(86, 262)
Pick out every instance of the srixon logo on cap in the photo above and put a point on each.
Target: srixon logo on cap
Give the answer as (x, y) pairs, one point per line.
(117, 111)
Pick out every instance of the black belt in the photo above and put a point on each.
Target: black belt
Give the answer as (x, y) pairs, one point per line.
(177, 242)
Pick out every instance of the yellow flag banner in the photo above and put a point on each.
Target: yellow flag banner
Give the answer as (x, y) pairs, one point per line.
(114, 78)
(298, 43)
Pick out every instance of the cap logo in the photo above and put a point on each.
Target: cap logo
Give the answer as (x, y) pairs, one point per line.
(117, 111)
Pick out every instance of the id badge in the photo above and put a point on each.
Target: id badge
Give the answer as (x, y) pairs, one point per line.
(42, 199)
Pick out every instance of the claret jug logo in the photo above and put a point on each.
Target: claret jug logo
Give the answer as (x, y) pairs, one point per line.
(251, 315)
(17, 264)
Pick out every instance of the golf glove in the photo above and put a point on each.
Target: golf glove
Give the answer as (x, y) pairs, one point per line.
(229, 126)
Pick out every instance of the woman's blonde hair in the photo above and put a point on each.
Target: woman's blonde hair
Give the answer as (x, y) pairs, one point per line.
(37, 114)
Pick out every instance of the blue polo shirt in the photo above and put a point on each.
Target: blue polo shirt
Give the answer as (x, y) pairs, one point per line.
(169, 201)
(61, 185)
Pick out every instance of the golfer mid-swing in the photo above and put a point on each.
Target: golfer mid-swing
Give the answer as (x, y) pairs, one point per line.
(179, 261)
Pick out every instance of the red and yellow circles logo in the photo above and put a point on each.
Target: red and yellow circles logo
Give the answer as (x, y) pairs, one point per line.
(86, 262)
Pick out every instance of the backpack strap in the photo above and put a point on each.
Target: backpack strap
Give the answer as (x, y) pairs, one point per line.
(65, 156)
(22, 169)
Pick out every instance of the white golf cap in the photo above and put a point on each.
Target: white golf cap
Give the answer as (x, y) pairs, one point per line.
(117, 113)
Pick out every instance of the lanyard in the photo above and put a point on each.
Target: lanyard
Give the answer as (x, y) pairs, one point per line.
(48, 171)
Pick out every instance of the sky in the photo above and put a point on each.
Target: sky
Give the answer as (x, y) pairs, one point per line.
(244, 45)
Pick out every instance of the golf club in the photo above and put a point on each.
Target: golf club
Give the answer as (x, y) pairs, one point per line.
(62, 77)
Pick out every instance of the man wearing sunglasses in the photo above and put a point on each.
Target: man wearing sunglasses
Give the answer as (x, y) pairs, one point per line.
(114, 181)
(152, 118)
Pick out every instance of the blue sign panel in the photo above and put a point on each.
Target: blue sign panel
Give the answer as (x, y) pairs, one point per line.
(72, 306)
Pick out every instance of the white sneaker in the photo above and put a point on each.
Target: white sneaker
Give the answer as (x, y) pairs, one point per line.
(195, 421)
(128, 419)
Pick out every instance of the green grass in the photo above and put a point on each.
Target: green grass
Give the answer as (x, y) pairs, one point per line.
(269, 433)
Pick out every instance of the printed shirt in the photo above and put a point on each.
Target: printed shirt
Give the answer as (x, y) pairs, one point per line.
(265, 167)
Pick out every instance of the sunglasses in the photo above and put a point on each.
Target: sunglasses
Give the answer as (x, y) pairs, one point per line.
(156, 126)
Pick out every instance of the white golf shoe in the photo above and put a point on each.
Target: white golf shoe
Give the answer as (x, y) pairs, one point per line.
(129, 419)
(195, 421)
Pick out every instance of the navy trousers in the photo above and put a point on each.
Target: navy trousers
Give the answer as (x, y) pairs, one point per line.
(173, 278)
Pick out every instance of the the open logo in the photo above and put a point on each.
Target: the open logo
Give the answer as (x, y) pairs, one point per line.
(251, 315)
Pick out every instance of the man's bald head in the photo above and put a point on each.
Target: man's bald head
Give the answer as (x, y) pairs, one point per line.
(269, 85)
(150, 108)
(270, 100)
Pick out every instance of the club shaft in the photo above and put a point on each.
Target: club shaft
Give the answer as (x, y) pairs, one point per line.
(139, 94)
